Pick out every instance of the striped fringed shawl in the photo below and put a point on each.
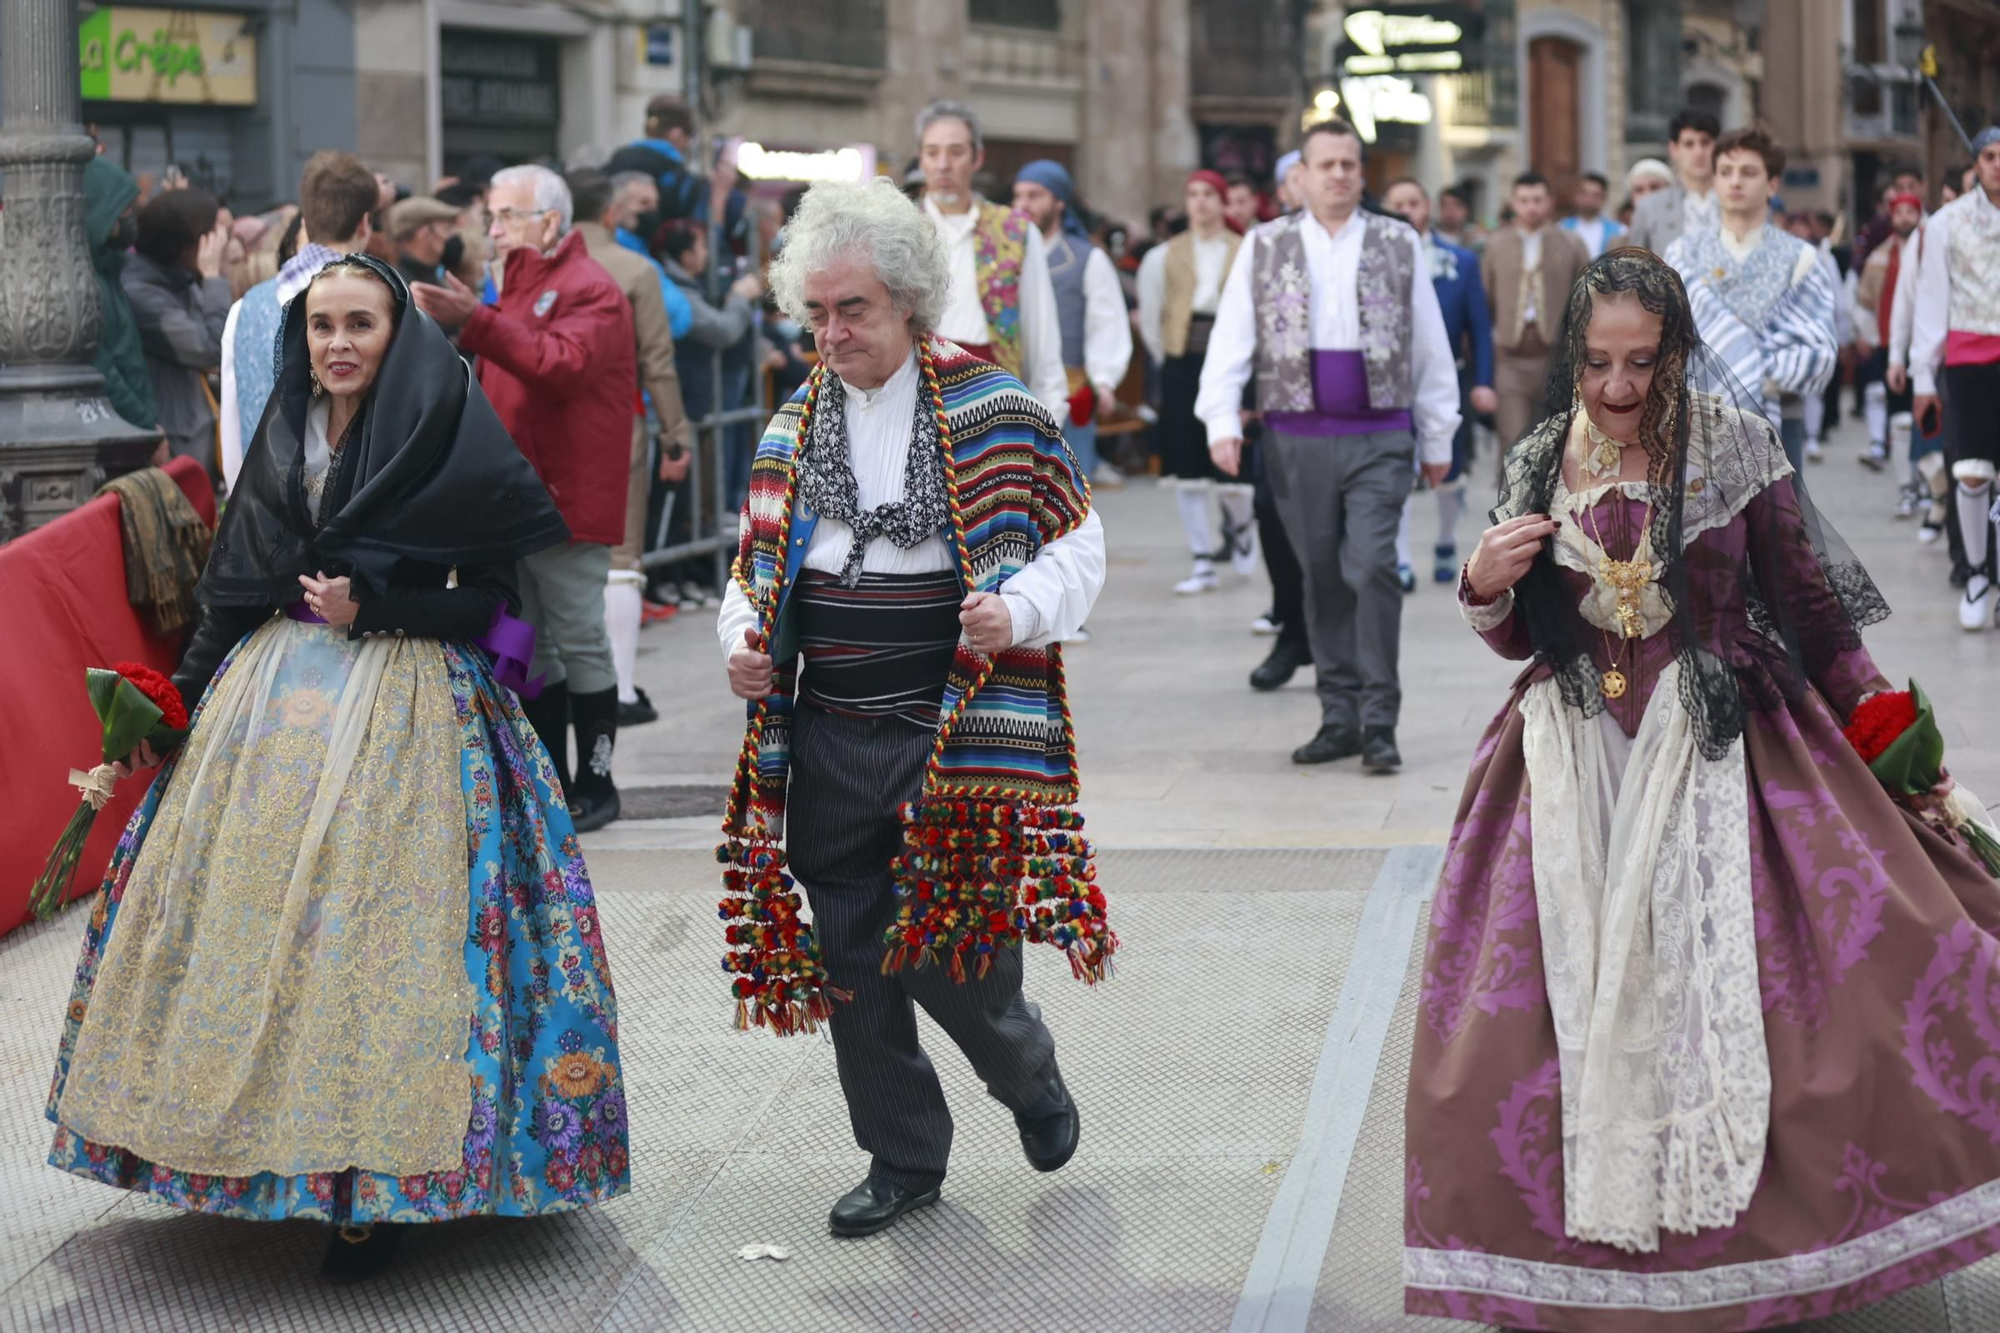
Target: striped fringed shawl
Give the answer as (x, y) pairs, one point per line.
(994, 851)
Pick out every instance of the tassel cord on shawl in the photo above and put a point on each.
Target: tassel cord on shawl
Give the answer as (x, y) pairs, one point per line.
(780, 981)
(990, 866)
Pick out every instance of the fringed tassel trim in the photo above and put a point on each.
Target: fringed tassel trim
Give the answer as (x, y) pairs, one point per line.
(986, 873)
(780, 982)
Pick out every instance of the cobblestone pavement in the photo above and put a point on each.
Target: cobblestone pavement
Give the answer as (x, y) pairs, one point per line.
(1242, 1124)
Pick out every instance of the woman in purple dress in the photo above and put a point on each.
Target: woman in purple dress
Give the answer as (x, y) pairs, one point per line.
(1710, 1025)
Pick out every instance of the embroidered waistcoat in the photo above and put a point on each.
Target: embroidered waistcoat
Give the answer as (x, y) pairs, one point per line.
(999, 245)
(1281, 287)
(1974, 264)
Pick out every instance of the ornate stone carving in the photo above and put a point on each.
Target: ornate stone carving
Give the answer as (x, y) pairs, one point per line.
(59, 438)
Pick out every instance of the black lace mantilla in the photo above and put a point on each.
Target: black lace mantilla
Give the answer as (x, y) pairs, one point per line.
(1802, 589)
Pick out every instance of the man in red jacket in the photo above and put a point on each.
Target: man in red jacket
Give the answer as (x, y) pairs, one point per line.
(556, 357)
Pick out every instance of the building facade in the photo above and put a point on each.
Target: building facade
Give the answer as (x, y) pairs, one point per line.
(237, 94)
(1575, 86)
(1130, 94)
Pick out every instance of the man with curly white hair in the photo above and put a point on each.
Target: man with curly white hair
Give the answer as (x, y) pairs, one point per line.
(916, 544)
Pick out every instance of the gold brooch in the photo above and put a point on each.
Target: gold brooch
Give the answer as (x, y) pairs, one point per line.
(1721, 272)
(1694, 487)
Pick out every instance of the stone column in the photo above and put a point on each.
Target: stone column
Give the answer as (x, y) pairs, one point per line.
(59, 438)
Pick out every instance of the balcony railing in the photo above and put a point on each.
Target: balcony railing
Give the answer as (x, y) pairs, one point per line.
(852, 33)
(1471, 99)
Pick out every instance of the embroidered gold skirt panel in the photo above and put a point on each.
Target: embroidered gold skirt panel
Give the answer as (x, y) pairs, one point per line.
(286, 991)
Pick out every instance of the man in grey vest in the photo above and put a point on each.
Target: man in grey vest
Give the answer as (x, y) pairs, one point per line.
(1090, 308)
(1333, 311)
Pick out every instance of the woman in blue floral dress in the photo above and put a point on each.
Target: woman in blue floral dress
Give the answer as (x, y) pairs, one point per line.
(346, 963)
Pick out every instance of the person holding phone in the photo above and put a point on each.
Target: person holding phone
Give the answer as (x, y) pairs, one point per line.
(180, 301)
(1955, 347)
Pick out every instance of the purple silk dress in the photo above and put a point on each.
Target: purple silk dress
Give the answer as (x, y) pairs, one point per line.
(1878, 962)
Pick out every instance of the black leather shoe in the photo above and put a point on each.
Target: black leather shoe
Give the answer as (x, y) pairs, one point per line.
(1275, 671)
(873, 1205)
(1050, 1139)
(1378, 750)
(594, 807)
(1330, 744)
(637, 713)
(356, 1254)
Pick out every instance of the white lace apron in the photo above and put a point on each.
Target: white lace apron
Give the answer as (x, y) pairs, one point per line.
(1642, 883)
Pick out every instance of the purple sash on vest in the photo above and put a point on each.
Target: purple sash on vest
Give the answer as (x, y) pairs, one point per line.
(1340, 390)
(509, 641)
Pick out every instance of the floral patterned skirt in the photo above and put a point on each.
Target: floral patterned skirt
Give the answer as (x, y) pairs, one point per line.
(322, 1003)
(1877, 961)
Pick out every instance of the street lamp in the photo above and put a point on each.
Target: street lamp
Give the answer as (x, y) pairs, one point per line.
(59, 437)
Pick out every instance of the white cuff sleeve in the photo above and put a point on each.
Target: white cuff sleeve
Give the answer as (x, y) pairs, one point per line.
(736, 616)
(1489, 617)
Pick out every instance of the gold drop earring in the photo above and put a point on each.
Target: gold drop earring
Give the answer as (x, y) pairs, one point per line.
(318, 389)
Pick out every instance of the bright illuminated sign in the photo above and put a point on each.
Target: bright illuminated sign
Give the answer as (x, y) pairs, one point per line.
(1383, 98)
(1409, 39)
(776, 164)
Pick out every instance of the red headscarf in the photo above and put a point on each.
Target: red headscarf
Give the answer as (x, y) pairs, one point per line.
(1212, 179)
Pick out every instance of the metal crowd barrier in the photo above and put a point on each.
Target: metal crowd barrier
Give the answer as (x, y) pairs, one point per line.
(712, 533)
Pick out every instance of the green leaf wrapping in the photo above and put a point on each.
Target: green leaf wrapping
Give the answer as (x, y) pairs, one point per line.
(127, 715)
(1914, 761)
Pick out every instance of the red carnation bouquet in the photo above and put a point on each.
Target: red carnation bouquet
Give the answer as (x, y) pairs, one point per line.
(1897, 734)
(134, 703)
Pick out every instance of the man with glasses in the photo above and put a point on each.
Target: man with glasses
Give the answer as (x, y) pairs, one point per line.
(557, 357)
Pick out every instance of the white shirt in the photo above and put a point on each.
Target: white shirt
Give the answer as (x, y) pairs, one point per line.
(965, 318)
(1333, 263)
(1701, 210)
(1930, 316)
(1107, 327)
(1902, 315)
(230, 415)
(1210, 256)
(1048, 598)
(1592, 232)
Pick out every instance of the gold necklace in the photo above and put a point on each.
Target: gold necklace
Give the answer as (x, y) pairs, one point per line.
(1629, 578)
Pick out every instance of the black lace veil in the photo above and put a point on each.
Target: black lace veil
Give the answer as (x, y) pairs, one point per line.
(1753, 621)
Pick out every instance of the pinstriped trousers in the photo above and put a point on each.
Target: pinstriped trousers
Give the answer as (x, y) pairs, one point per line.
(849, 776)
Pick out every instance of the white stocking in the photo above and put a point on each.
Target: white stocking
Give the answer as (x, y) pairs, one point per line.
(1403, 531)
(621, 621)
(1195, 522)
(1975, 502)
(1239, 518)
(1875, 406)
